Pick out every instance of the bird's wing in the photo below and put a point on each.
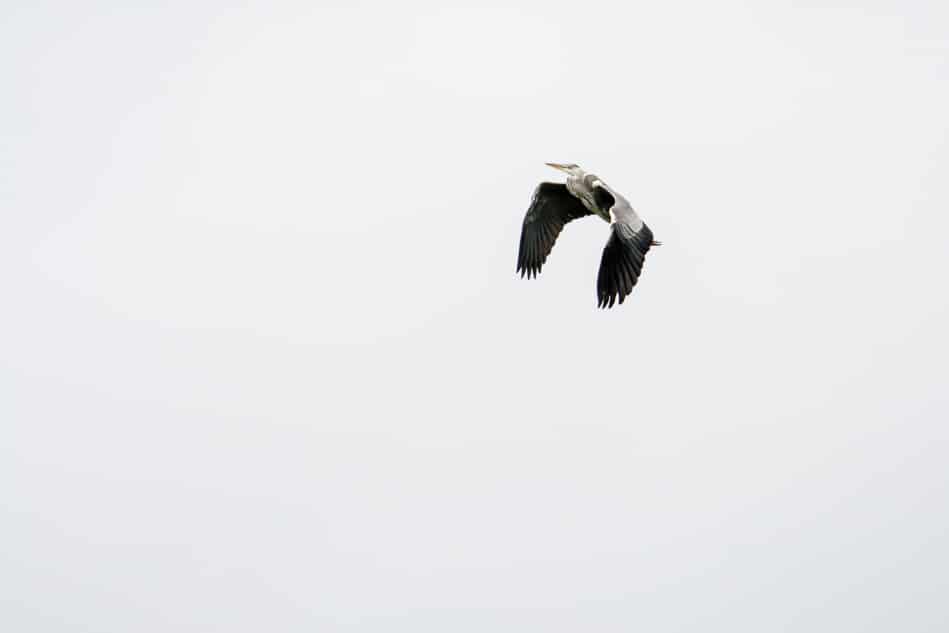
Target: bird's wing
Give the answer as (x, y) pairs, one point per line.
(622, 261)
(551, 208)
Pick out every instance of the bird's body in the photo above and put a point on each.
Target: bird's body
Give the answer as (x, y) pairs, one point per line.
(555, 204)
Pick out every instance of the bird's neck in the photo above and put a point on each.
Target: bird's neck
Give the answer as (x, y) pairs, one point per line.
(581, 186)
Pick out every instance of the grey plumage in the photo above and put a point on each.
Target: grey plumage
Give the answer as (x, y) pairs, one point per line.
(554, 205)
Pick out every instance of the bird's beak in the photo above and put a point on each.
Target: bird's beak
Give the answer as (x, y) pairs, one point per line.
(557, 166)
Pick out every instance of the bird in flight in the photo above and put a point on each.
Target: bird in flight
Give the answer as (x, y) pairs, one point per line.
(554, 204)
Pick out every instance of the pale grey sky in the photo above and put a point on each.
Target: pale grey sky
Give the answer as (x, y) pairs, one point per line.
(266, 364)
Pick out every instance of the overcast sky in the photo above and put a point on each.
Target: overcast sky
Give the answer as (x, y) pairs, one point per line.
(265, 364)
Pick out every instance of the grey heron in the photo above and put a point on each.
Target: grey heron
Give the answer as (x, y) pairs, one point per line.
(555, 204)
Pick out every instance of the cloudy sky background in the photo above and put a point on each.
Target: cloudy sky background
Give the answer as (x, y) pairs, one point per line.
(265, 364)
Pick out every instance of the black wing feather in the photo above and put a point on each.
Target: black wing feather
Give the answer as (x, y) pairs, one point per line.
(621, 263)
(552, 207)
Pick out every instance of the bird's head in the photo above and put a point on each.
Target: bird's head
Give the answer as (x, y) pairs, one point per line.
(571, 169)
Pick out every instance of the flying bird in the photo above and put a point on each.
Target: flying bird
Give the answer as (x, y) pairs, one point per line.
(555, 204)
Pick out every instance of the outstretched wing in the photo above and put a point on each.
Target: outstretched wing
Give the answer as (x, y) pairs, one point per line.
(622, 261)
(551, 208)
